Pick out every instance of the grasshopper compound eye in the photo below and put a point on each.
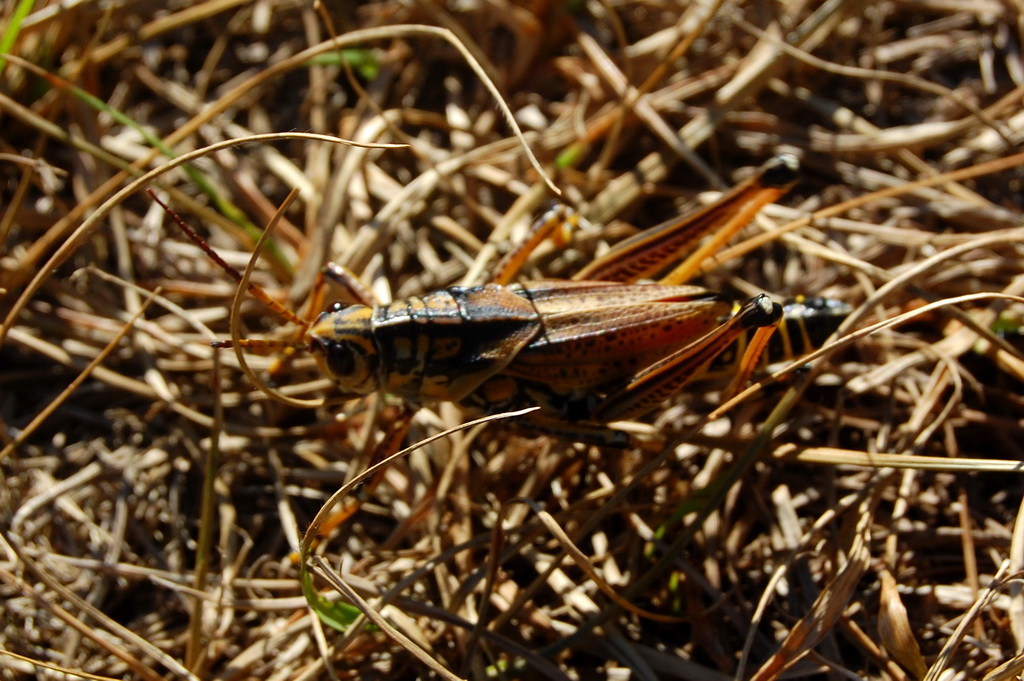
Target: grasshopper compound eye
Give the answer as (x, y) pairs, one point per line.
(342, 341)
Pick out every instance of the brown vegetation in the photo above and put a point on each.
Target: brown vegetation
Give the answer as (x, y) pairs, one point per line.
(848, 518)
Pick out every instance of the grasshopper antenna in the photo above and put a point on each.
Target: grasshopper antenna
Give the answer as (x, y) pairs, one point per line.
(257, 292)
(243, 280)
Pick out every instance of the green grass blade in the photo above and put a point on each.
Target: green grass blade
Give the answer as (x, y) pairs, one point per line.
(13, 29)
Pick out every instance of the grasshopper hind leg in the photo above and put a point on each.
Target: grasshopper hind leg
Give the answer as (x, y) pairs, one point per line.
(667, 378)
(581, 416)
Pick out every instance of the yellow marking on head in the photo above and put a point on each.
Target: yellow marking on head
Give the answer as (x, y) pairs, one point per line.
(342, 342)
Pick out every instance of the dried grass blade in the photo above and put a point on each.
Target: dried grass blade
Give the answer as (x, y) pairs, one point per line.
(93, 222)
(828, 607)
(73, 386)
(380, 621)
(894, 626)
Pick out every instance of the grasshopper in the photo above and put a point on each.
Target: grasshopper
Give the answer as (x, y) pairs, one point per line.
(603, 346)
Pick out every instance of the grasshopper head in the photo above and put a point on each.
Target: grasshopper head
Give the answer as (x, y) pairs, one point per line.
(342, 341)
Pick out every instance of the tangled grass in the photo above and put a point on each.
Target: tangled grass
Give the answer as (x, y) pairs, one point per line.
(857, 516)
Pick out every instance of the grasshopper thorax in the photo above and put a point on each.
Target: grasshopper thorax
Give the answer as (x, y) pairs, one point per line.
(342, 341)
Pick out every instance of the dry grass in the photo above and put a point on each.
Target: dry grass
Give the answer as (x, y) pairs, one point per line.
(870, 535)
